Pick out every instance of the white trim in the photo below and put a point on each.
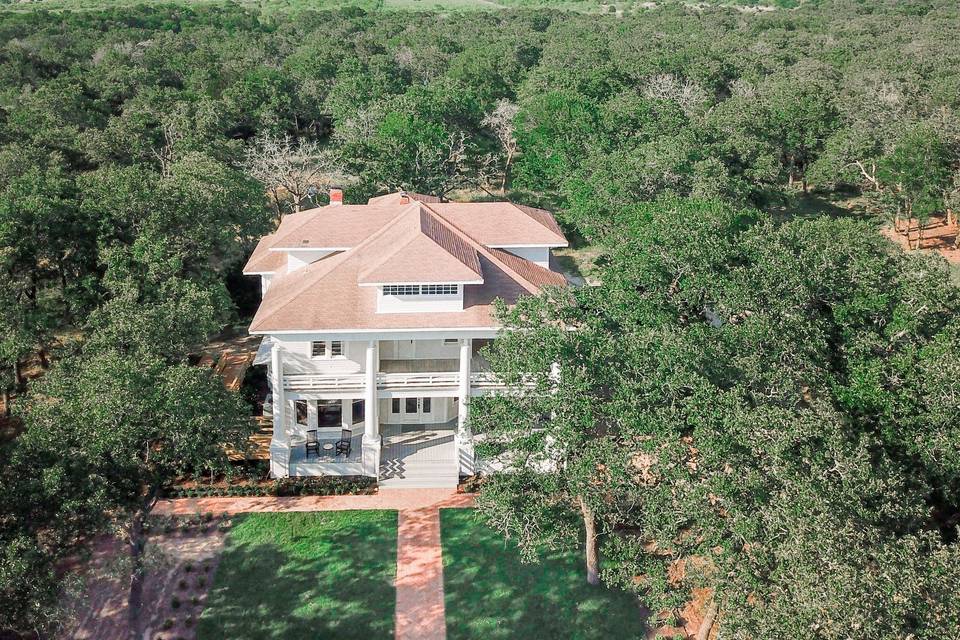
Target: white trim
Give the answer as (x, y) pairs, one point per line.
(258, 273)
(308, 332)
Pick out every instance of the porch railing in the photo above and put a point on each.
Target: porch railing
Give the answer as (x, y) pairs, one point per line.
(357, 381)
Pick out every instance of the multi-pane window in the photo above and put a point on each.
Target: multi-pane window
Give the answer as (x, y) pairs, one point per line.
(439, 289)
(401, 289)
(324, 349)
(420, 289)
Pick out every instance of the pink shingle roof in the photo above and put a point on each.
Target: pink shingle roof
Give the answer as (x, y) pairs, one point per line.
(262, 260)
(503, 223)
(417, 242)
(418, 247)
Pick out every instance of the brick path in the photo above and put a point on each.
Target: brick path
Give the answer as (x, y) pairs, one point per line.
(420, 611)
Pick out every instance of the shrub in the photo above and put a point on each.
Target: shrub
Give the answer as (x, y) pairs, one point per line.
(167, 624)
(182, 584)
(175, 603)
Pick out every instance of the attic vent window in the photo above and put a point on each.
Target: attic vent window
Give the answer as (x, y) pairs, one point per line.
(421, 289)
(401, 289)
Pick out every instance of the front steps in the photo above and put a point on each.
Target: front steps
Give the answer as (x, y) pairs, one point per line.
(401, 474)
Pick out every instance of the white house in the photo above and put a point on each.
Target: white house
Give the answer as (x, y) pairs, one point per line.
(373, 316)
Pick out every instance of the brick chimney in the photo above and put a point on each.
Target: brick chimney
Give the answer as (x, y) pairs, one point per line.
(404, 198)
(336, 197)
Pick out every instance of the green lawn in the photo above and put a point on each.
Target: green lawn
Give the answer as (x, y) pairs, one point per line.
(490, 594)
(305, 575)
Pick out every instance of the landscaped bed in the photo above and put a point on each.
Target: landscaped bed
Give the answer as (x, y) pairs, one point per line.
(490, 594)
(305, 575)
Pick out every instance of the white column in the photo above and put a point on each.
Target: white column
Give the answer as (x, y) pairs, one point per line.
(313, 415)
(371, 430)
(280, 442)
(463, 439)
(346, 413)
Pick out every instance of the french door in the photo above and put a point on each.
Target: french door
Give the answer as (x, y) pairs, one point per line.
(412, 410)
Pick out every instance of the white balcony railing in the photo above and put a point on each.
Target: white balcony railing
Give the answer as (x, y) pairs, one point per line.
(357, 381)
(439, 379)
(323, 381)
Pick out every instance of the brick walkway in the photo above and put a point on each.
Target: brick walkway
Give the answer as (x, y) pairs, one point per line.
(420, 611)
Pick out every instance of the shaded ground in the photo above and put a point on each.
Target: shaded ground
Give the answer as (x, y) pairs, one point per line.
(813, 205)
(937, 236)
(491, 594)
(305, 575)
(183, 560)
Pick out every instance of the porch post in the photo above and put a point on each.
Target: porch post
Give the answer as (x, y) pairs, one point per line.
(464, 439)
(371, 430)
(346, 413)
(279, 443)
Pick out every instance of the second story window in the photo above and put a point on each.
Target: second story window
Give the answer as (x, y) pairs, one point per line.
(326, 349)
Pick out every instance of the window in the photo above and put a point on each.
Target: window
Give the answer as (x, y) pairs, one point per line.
(439, 289)
(427, 403)
(395, 405)
(401, 289)
(451, 342)
(323, 349)
(421, 289)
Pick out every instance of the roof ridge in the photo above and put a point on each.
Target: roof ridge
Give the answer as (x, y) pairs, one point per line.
(485, 252)
(472, 262)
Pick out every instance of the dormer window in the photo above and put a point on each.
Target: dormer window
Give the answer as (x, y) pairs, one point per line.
(421, 289)
(326, 349)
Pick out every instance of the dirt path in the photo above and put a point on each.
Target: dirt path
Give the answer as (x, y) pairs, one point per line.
(937, 236)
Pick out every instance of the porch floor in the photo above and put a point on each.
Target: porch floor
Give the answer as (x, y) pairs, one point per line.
(419, 455)
(413, 443)
(298, 451)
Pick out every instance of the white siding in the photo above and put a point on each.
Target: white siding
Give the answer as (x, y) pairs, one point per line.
(540, 255)
(302, 257)
(297, 358)
(418, 350)
(419, 304)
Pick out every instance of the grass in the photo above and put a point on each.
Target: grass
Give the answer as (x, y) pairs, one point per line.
(490, 594)
(305, 575)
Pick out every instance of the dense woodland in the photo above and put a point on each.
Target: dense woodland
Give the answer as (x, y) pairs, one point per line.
(787, 390)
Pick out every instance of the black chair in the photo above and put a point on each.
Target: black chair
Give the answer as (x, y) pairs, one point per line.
(312, 443)
(343, 444)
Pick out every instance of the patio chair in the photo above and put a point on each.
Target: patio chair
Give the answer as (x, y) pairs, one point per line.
(343, 444)
(312, 443)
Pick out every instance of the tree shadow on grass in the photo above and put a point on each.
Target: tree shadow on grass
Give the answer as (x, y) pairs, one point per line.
(305, 575)
(491, 594)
